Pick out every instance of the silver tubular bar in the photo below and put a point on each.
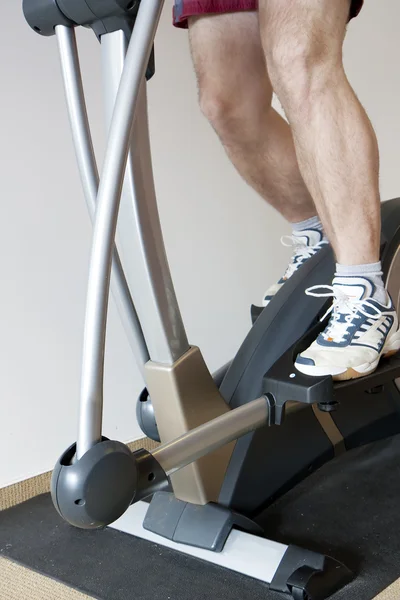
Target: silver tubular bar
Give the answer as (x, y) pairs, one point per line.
(111, 182)
(139, 235)
(84, 151)
(199, 442)
(79, 122)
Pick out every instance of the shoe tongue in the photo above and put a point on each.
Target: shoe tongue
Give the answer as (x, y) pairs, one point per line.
(358, 288)
(309, 237)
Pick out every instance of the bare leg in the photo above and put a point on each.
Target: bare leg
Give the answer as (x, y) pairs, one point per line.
(335, 142)
(235, 96)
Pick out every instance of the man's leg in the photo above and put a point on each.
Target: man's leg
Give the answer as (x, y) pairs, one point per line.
(335, 142)
(338, 158)
(235, 96)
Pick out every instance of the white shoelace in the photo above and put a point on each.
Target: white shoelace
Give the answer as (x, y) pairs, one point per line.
(301, 252)
(342, 304)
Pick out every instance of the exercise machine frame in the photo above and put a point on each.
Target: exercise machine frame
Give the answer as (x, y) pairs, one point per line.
(205, 479)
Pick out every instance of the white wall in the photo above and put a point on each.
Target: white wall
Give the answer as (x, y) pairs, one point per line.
(222, 241)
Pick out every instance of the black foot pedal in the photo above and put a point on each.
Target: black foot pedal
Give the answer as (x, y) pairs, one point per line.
(284, 383)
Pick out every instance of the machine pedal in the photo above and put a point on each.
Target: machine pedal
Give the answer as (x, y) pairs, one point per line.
(283, 383)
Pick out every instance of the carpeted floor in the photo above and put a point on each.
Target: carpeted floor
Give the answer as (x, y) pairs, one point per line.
(20, 583)
(392, 593)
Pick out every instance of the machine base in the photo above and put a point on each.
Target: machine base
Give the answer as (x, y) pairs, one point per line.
(302, 574)
(207, 526)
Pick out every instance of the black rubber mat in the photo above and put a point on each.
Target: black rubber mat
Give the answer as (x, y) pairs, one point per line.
(349, 509)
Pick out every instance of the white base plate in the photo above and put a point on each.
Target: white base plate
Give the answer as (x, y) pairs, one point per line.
(244, 553)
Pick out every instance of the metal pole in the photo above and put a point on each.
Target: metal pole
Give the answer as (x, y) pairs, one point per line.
(206, 438)
(85, 155)
(139, 234)
(91, 406)
(77, 111)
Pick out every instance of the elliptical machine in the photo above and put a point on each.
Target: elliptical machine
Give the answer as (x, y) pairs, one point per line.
(231, 444)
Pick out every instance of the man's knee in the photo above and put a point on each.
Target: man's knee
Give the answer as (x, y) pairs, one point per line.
(215, 104)
(232, 111)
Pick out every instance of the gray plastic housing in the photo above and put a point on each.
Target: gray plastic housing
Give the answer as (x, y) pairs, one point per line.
(44, 15)
(205, 526)
(103, 16)
(96, 490)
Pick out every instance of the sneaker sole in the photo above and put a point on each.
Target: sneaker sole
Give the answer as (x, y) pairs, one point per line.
(391, 348)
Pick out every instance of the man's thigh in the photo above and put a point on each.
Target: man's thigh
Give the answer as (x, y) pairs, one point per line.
(308, 30)
(227, 53)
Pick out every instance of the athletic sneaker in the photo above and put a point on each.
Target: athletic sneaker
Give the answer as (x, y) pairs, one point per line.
(305, 244)
(360, 331)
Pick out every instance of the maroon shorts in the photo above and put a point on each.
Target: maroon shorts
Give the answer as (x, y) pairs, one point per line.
(189, 8)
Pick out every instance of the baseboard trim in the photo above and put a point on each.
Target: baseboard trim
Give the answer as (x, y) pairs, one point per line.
(40, 484)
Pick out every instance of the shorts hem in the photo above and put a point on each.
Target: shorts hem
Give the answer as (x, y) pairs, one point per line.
(192, 9)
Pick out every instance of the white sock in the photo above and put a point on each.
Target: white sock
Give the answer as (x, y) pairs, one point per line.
(313, 223)
(310, 231)
(372, 271)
